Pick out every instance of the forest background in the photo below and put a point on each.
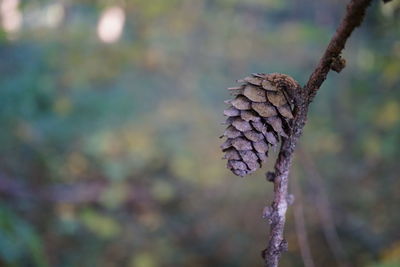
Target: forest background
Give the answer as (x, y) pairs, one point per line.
(109, 149)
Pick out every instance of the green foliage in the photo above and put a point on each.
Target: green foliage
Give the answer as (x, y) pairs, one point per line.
(19, 243)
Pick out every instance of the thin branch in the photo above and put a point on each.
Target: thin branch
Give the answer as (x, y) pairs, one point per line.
(354, 16)
(300, 224)
(276, 213)
(321, 201)
(77, 194)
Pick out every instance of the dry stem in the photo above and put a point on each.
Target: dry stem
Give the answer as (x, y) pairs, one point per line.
(276, 213)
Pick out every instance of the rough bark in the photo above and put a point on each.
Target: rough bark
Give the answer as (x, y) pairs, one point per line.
(330, 60)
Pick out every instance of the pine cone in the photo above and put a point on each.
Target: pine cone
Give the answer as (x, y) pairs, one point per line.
(258, 117)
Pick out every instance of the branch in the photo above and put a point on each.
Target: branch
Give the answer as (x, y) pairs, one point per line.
(353, 18)
(76, 194)
(300, 224)
(321, 202)
(276, 212)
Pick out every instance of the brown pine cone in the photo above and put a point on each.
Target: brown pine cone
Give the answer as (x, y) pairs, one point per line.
(260, 114)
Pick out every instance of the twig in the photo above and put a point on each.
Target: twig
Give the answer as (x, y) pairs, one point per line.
(76, 194)
(300, 224)
(321, 201)
(353, 18)
(276, 213)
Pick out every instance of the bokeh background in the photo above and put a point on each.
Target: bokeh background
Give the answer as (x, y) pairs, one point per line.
(110, 112)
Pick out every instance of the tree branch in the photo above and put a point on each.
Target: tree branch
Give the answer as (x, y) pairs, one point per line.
(300, 224)
(320, 199)
(353, 18)
(277, 211)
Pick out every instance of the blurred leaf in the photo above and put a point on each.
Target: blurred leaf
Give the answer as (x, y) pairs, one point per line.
(19, 243)
(388, 115)
(100, 224)
(143, 260)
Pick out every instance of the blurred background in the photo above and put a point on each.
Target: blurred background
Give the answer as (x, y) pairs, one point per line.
(110, 114)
